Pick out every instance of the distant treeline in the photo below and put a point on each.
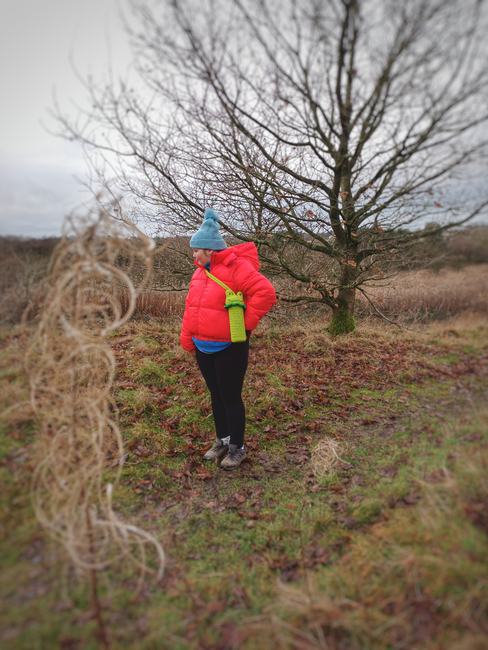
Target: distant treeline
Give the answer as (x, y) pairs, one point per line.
(40, 247)
(24, 262)
(456, 249)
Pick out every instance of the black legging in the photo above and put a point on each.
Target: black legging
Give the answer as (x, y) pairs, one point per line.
(224, 375)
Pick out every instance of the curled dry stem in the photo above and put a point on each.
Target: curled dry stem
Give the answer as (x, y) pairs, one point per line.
(325, 456)
(71, 369)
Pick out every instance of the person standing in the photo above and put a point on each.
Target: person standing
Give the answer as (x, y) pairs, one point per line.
(206, 330)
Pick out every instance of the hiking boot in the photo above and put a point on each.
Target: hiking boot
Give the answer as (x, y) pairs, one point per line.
(234, 458)
(217, 451)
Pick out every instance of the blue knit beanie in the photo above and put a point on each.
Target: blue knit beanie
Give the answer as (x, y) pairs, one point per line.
(208, 236)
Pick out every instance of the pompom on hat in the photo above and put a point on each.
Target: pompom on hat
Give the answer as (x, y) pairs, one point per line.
(208, 236)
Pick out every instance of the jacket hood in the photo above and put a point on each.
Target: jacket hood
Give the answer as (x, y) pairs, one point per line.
(248, 251)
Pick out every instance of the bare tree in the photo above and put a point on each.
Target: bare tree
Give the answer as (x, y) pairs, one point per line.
(329, 132)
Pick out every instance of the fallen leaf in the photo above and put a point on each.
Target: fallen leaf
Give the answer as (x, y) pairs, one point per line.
(411, 498)
(233, 637)
(203, 473)
(291, 576)
(316, 488)
(240, 593)
(341, 506)
(216, 606)
(145, 484)
(390, 471)
(358, 479)
(170, 452)
(348, 522)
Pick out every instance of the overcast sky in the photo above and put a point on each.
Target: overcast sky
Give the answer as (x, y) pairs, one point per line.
(40, 40)
(37, 40)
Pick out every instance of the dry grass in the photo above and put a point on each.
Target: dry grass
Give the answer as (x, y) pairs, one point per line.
(15, 407)
(316, 342)
(71, 369)
(415, 296)
(365, 593)
(158, 304)
(23, 266)
(413, 582)
(424, 295)
(325, 457)
(467, 324)
(142, 400)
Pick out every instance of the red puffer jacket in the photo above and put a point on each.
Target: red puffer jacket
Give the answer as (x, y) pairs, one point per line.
(205, 316)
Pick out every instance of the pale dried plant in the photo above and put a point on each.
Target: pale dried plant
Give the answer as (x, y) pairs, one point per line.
(160, 304)
(419, 295)
(319, 611)
(464, 328)
(145, 345)
(316, 343)
(142, 432)
(326, 457)
(322, 610)
(142, 400)
(15, 408)
(71, 370)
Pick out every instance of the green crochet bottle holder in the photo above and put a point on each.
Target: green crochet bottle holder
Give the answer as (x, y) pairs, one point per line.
(234, 303)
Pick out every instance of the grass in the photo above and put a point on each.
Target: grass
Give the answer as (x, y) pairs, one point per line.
(414, 297)
(383, 547)
(420, 296)
(158, 304)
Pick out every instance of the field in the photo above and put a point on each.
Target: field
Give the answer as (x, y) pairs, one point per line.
(359, 520)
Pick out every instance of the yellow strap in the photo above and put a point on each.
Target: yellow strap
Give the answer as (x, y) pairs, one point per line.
(212, 277)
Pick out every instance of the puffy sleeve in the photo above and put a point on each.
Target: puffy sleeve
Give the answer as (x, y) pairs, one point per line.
(259, 294)
(186, 335)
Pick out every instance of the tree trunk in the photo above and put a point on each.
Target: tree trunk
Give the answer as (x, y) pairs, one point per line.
(343, 313)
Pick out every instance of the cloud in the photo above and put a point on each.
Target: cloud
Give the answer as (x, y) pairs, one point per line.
(37, 193)
(37, 42)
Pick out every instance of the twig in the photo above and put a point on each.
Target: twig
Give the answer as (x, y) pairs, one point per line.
(402, 327)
